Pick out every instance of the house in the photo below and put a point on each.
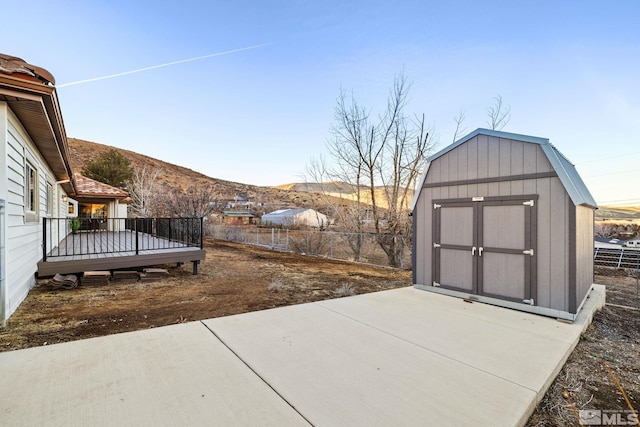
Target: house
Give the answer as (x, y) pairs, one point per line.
(505, 219)
(237, 217)
(295, 218)
(35, 173)
(605, 242)
(37, 187)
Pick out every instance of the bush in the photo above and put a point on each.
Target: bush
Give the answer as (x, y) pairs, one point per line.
(345, 290)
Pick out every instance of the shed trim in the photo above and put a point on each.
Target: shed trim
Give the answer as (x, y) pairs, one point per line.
(492, 179)
(573, 297)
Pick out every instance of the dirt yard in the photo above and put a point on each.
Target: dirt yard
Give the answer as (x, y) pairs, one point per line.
(237, 279)
(233, 279)
(608, 353)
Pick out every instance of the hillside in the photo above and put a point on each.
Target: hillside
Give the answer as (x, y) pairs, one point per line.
(342, 190)
(612, 213)
(174, 176)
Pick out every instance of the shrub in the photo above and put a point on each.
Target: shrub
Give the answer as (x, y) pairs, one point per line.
(344, 290)
(275, 286)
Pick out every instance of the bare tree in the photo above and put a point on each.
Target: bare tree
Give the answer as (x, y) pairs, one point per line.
(381, 160)
(499, 114)
(460, 130)
(142, 189)
(195, 202)
(341, 201)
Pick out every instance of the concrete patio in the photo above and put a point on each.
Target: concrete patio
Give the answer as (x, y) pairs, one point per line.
(400, 357)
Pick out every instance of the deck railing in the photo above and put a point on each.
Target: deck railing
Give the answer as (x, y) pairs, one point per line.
(89, 236)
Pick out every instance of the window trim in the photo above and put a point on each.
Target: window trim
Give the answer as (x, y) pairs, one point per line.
(32, 193)
(48, 199)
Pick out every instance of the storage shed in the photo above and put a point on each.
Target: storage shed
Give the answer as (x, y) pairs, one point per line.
(504, 219)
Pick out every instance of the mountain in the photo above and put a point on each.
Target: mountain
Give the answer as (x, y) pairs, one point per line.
(343, 190)
(608, 213)
(174, 176)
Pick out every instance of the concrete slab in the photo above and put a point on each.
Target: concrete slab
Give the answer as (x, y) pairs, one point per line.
(520, 347)
(176, 375)
(405, 357)
(401, 357)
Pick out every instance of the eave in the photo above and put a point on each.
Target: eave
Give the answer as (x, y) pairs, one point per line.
(36, 107)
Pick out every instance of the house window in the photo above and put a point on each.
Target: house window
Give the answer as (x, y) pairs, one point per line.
(93, 210)
(31, 196)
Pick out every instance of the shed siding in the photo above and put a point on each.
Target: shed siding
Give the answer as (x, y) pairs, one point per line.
(584, 251)
(558, 237)
(492, 157)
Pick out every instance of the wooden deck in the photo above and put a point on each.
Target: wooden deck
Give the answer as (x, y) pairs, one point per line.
(104, 250)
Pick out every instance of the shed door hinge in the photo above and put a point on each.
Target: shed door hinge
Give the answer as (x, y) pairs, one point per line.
(436, 206)
(528, 203)
(436, 245)
(436, 284)
(528, 252)
(529, 301)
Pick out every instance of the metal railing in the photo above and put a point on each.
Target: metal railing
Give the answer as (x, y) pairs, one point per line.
(616, 258)
(90, 236)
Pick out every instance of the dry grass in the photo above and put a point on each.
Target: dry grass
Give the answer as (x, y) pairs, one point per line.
(233, 279)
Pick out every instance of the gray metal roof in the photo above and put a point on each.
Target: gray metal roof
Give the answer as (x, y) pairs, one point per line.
(566, 171)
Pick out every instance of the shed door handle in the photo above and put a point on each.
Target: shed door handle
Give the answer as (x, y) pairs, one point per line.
(473, 251)
(480, 251)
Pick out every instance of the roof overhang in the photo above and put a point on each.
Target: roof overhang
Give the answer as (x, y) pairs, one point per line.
(36, 106)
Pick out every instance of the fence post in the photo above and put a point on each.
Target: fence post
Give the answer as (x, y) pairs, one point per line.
(201, 232)
(331, 245)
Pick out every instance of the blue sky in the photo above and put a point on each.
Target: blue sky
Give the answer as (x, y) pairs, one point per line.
(570, 70)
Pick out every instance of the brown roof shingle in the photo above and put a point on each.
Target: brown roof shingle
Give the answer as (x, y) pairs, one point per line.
(87, 187)
(20, 68)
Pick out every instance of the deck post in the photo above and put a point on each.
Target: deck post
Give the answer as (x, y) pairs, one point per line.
(195, 267)
(44, 239)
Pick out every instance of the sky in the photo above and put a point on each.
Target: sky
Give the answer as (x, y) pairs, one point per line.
(245, 91)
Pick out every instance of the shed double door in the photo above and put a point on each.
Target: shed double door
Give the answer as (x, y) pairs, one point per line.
(486, 246)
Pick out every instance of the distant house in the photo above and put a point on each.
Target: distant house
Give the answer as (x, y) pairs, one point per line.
(604, 242)
(235, 217)
(296, 218)
(240, 201)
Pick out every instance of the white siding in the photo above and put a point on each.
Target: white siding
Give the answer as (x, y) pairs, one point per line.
(23, 239)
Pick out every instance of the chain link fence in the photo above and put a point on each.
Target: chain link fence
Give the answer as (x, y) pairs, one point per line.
(356, 247)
